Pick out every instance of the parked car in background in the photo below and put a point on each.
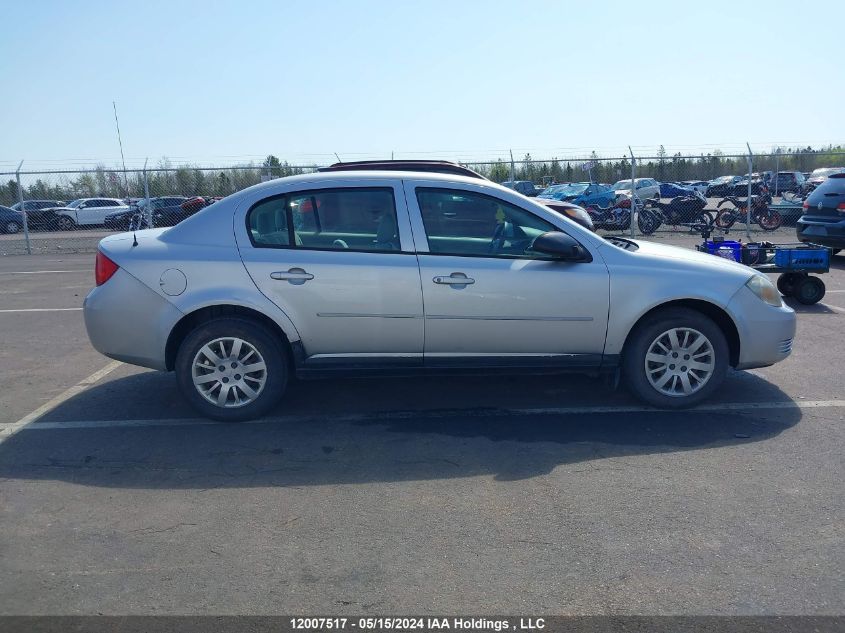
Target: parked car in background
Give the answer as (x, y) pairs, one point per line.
(11, 221)
(525, 187)
(571, 211)
(787, 181)
(581, 194)
(39, 213)
(645, 188)
(818, 176)
(239, 298)
(721, 186)
(161, 207)
(823, 221)
(673, 190)
(740, 187)
(698, 185)
(87, 212)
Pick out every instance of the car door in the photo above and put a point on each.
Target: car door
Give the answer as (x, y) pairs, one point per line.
(489, 301)
(339, 261)
(87, 212)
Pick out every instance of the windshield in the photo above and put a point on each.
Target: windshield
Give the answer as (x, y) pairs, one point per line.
(571, 190)
(73, 204)
(622, 184)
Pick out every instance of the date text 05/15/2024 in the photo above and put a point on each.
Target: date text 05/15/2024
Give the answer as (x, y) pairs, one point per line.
(416, 623)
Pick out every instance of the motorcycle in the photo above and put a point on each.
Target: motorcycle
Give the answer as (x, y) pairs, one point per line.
(679, 210)
(761, 213)
(616, 216)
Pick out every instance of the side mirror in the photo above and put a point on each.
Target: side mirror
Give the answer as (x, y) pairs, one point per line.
(82, 205)
(561, 246)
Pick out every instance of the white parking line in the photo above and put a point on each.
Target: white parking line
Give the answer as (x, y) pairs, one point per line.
(8, 431)
(41, 310)
(43, 272)
(435, 414)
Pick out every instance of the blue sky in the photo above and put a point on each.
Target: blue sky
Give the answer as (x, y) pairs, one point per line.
(215, 81)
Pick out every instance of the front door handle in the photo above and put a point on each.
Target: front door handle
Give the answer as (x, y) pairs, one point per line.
(455, 279)
(296, 276)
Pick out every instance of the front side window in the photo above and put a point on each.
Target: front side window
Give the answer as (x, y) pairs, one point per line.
(466, 223)
(361, 219)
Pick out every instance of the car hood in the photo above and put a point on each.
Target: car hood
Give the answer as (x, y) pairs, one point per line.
(684, 258)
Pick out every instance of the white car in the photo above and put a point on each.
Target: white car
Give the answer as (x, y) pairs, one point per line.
(645, 188)
(699, 186)
(87, 212)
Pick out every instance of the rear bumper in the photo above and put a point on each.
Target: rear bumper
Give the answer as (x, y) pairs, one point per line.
(825, 231)
(129, 322)
(765, 333)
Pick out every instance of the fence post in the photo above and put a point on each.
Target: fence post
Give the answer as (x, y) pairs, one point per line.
(148, 213)
(777, 166)
(748, 201)
(23, 211)
(633, 189)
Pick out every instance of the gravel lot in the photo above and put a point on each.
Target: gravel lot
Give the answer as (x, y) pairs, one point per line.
(432, 495)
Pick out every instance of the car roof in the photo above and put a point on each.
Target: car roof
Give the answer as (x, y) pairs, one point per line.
(435, 166)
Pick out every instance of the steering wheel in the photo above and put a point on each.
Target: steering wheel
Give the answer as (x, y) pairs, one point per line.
(340, 244)
(499, 234)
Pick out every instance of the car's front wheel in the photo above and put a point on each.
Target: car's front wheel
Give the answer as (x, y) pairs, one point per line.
(232, 369)
(675, 359)
(65, 223)
(11, 227)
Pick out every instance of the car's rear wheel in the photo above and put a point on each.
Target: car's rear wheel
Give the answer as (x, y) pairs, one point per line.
(675, 359)
(232, 369)
(11, 227)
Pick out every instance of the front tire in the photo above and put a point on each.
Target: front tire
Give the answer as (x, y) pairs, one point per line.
(12, 227)
(64, 223)
(232, 369)
(675, 358)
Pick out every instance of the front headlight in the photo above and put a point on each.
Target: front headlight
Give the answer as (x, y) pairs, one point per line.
(761, 286)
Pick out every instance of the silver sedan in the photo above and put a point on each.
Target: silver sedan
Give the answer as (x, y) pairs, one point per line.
(402, 271)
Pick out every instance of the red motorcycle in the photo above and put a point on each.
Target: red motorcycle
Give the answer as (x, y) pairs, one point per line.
(761, 213)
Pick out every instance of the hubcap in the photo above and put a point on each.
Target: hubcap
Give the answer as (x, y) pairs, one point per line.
(679, 362)
(229, 372)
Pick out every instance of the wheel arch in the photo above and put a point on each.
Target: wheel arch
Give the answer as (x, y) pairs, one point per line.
(714, 312)
(193, 319)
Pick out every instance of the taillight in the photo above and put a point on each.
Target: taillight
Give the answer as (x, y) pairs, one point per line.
(104, 268)
(806, 205)
(841, 207)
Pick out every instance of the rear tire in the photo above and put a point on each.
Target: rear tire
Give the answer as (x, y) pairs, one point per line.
(725, 218)
(699, 364)
(12, 227)
(809, 290)
(248, 376)
(769, 220)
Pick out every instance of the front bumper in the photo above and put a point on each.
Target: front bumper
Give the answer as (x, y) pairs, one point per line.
(765, 332)
(129, 322)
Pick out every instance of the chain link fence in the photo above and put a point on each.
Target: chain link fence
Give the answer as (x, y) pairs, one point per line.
(70, 211)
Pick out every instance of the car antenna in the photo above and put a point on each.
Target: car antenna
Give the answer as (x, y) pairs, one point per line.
(134, 239)
(337, 157)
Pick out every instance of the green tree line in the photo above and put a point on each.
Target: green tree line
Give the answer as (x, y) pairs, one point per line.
(192, 180)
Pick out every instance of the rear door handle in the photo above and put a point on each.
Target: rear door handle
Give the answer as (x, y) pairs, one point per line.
(296, 276)
(455, 279)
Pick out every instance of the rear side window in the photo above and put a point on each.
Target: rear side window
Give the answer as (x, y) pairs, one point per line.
(360, 219)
